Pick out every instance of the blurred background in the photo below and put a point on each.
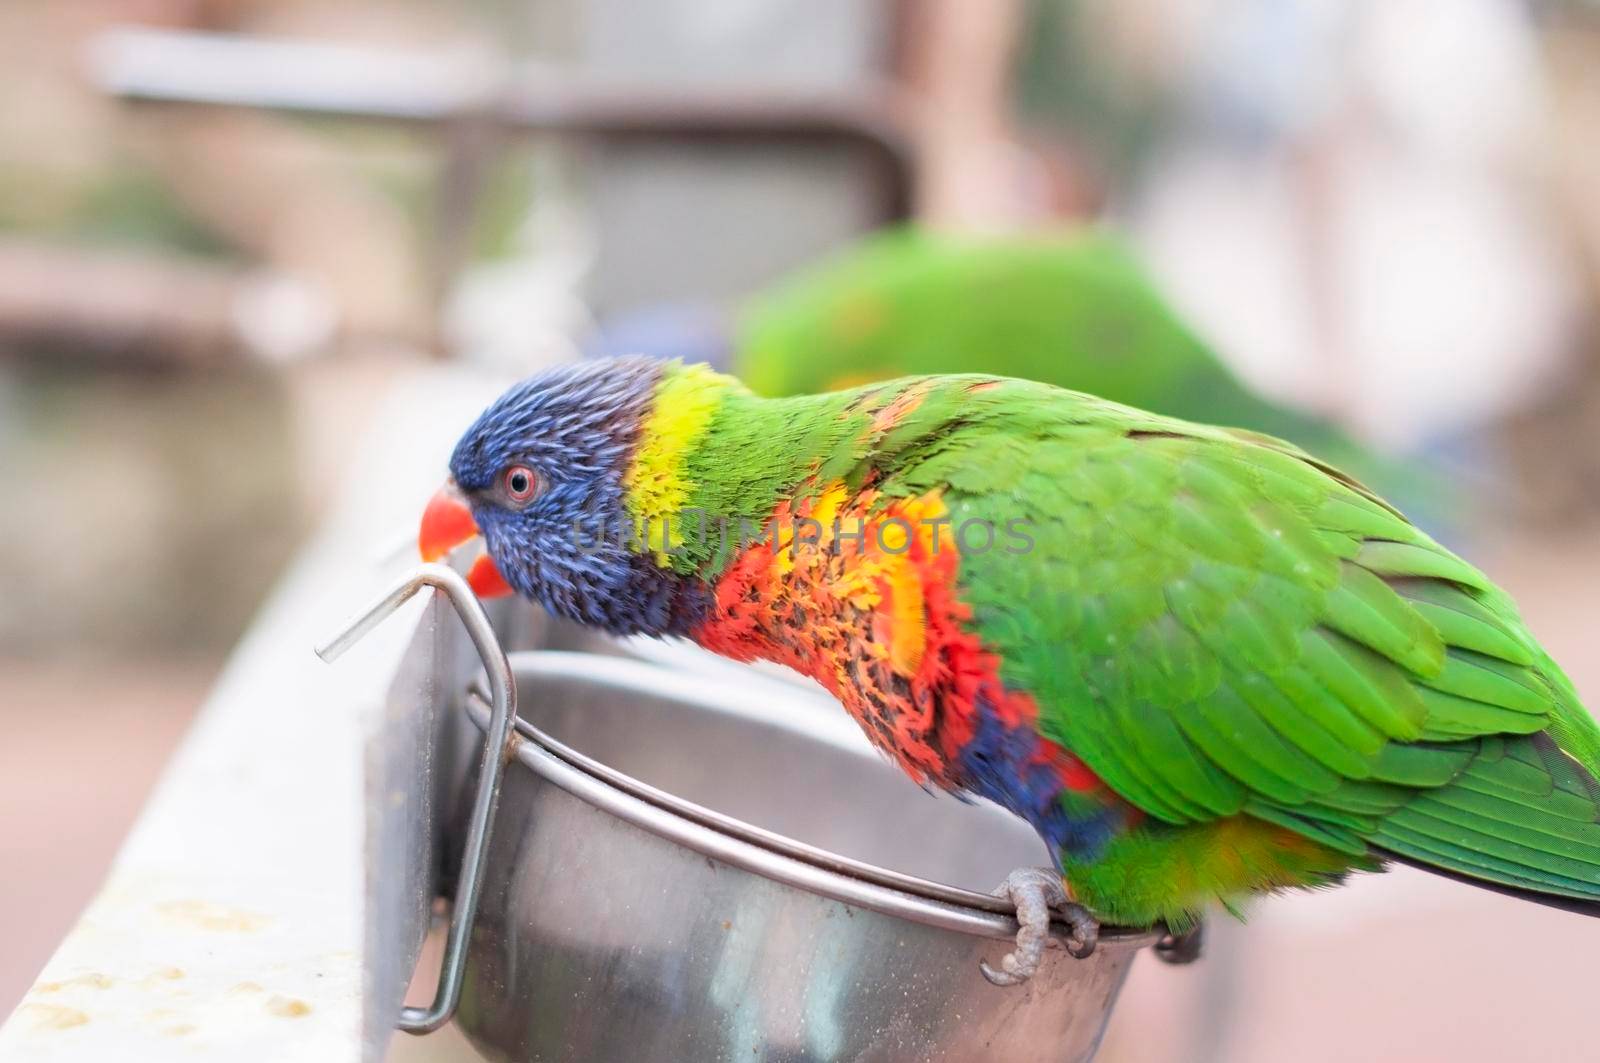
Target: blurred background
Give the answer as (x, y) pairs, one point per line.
(1374, 225)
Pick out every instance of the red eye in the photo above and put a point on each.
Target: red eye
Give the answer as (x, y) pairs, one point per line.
(521, 483)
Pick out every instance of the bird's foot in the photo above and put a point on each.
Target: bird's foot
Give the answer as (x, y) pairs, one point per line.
(1037, 891)
(1178, 949)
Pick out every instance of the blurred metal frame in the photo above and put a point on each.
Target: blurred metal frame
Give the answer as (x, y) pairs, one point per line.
(480, 104)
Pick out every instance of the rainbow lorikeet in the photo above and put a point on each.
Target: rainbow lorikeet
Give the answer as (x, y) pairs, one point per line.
(1199, 662)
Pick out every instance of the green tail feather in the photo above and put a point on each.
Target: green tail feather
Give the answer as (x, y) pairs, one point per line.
(1522, 814)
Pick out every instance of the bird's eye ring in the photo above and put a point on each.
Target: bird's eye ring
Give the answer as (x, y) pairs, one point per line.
(521, 483)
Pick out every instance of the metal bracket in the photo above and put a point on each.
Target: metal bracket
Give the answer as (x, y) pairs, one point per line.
(503, 701)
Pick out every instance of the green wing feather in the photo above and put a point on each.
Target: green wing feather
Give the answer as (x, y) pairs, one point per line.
(1217, 624)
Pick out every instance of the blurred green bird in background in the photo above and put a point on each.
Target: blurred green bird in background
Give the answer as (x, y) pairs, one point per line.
(1074, 309)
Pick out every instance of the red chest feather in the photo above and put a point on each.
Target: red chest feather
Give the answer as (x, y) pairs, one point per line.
(861, 596)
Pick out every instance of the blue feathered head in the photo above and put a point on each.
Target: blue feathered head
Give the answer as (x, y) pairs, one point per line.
(540, 475)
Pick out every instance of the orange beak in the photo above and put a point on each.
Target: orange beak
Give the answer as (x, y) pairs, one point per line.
(446, 524)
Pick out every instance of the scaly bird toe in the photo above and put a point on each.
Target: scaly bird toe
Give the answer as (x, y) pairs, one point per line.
(1181, 948)
(1036, 891)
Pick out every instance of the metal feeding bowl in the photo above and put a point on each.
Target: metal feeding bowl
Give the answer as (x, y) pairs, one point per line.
(662, 859)
(686, 871)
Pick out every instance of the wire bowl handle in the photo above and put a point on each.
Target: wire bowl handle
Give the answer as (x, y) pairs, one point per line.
(503, 710)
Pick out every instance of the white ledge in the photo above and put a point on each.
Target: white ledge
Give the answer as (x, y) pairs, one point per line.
(238, 922)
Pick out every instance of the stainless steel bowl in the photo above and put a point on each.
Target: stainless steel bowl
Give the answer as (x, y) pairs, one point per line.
(691, 870)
